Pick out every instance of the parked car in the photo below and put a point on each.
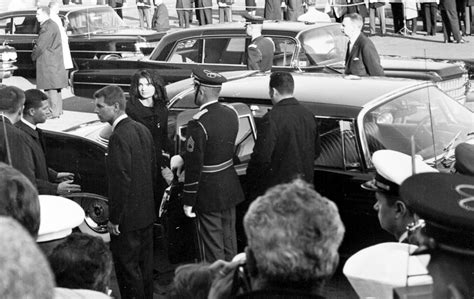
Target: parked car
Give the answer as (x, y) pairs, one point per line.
(95, 32)
(354, 119)
(304, 47)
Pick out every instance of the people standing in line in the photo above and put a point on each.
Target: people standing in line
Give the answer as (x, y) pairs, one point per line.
(362, 59)
(225, 10)
(144, 13)
(377, 8)
(211, 188)
(272, 10)
(147, 105)
(15, 145)
(131, 175)
(48, 181)
(261, 50)
(313, 15)
(161, 18)
(398, 16)
(204, 11)
(184, 11)
(293, 9)
(287, 141)
(430, 10)
(392, 168)
(51, 74)
(54, 10)
(450, 20)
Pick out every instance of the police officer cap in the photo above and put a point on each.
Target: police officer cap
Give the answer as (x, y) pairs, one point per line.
(392, 168)
(208, 78)
(446, 203)
(250, 19)
(464, 154)
(58, 217)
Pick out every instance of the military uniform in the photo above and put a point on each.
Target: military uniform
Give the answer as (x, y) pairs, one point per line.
(211, 185)
(261, 50)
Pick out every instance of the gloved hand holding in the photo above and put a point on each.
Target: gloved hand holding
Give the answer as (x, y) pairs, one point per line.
(188, 211)
(176, 164)
(167, 174)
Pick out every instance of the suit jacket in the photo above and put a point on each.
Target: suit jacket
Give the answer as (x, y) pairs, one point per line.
(131, 173)
(260, 54)
(210, 141)
(44, 176)
(363, 59)
(20, 149)
(48, 54)
(286, 147)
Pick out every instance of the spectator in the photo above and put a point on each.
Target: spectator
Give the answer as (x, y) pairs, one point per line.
(51, 74)
(131, 171)
(24, 273)
(261, 50)
(450, 19)
(19, 199)
(362, 58)
(147, 105)
(36, 110)
(160, 20)
(287, 142)
(377, 7)
(272, 10)
(292, 9)
(54, 10)
(183, 9)
(313, 15)
(82, 262)
(211, 186)
(204, 11)
(308, 230)
(338, 8)
(392, 168)
(430, 10)
(398, 17)
(16, 149)
(463, 16)
(251, 7)
(144, 13)
(191, 281)
(117, 6)
(225, 10)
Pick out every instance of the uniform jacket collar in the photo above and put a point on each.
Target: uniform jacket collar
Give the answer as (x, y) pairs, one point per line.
(287, 101)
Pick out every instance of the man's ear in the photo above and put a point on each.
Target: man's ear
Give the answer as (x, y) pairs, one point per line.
(251, 263)
(29, 112)
(401, 208)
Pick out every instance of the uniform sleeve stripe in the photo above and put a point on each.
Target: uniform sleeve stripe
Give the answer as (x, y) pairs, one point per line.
(190, 184)
(186, 191)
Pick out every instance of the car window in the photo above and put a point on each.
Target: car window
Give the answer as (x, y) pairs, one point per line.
(428, 116)
(5, 26)
(187, 51)
(23, 25)
(338, 144)
(284, 50)
(97, 19)
(224, 50)
(322, 46)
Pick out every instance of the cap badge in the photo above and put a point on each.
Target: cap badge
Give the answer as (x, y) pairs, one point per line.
(466, 203)
(211, 74)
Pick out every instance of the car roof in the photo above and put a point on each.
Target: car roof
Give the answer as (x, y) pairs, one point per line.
(325, 94)
(64, 9)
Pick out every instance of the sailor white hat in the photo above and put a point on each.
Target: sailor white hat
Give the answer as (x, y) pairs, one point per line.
(59, 216)
(392, 168)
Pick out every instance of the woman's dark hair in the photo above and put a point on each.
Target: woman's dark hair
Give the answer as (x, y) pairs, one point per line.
(82, 262)
(160, 97)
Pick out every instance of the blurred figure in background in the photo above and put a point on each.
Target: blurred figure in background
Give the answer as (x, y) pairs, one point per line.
(54, 10)
(160, 20)
(183, 9)
(144, 13)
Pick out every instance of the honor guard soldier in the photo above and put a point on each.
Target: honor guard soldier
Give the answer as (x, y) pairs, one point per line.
(464, 154)
(211, 187)
(261, 49)
(392, 168)
(446, 204)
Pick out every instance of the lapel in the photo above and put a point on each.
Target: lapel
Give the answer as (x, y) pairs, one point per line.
(356, 46)
(35, 134)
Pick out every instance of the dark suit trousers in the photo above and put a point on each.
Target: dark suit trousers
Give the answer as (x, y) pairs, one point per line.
(430, 10)
(133, 258)
(397, 13)
(217, 239)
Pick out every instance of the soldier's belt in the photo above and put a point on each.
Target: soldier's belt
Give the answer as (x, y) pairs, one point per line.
(217, 167)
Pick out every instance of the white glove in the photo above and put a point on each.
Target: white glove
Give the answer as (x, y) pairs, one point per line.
(177, 163)
(167, 174)
(188, 211)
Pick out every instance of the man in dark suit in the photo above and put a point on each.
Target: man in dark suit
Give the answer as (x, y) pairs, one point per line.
(48, 181)
(131, 174)
(362, 58)
(211, 187)
(449, 16)
(287, 141)
(204, 11)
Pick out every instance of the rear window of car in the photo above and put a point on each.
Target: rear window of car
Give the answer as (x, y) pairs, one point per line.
(322, 46)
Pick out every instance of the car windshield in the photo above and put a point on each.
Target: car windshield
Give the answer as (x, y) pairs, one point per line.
(435, 122)
(326, 45)
(94, 20)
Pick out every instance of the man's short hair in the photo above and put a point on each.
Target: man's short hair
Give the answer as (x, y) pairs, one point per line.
(294, 234)
(25, 272)
(19, 199)
(112, 94)
(355, 18)
(34, 98)
(191, 281)
(82, 261)
(11, 99)
(283, 82)
(45, 9)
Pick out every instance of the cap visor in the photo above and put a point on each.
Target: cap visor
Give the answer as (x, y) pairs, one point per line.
(370, 186)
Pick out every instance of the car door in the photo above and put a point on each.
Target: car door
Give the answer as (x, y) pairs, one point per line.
(20, 32)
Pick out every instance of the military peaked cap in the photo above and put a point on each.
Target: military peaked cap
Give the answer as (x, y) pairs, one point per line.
(250, 19)
(208, 78)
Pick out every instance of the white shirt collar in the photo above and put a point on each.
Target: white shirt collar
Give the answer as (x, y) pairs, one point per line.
(28, 123)
(403, 237)
(353, 39)
(207, 104)
(118, 119)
